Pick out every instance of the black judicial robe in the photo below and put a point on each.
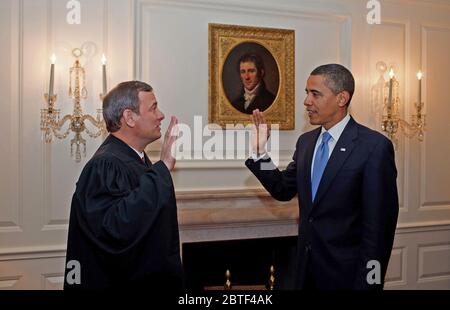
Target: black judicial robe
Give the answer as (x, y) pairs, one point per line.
(123, 226)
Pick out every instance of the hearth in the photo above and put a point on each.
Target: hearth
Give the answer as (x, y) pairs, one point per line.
(248, 262)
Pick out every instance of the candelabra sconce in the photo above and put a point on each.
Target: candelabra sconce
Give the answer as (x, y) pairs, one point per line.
(391, 122)
(51, 121)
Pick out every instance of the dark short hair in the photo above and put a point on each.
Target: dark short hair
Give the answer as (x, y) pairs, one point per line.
(337, 78)
(124, 96)
(254, 58)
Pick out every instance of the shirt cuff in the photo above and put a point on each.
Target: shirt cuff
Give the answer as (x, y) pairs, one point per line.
(256, 157)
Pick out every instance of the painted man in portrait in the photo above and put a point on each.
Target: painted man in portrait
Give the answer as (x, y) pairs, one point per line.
(254, 94)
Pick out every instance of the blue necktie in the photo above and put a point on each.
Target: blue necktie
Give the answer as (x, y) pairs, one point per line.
(320, 162)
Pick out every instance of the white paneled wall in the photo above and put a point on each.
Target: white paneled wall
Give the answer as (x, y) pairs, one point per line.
(165, 42)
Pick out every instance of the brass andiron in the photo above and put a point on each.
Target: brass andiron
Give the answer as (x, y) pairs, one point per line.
(51, 124)
(271, 282)
(270, 285)
(227, 285)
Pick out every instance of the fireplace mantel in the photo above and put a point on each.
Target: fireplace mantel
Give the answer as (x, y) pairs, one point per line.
(234, 214)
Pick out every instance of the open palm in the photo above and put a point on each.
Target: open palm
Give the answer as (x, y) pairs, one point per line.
(260, 132)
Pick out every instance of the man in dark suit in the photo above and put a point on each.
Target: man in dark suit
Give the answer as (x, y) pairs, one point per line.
(345, 178)
(254, 93)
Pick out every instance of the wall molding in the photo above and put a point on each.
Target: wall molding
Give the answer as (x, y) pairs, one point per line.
(53, 251)
(405, 146)
(9, 282)
(422, 250)
(401, 280)
(436, 206)
(47, 222)
(236, 230)
(14, 224)
(424, 205)
(426, 4)
(33, 252)
(284, 10)
(423, 226)
(141, 8)
(51, 280)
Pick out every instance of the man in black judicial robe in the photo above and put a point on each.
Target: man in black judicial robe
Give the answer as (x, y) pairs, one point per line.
(123, 230)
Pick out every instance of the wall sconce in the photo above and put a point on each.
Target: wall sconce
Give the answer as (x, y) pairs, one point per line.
(51, 123)
(391, 120)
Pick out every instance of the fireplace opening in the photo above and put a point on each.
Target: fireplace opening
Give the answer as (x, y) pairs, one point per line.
(248, 261)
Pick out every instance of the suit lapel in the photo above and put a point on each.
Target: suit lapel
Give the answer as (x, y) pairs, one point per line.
(341, 151)
(306, 166)
(251, 106)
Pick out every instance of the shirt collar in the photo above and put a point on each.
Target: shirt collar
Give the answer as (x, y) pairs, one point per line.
(253, 91)
(141, 154)
(336, 131)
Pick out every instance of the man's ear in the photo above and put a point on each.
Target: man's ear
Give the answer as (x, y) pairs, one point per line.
(262, 73)
(343, 98)
(129, 118)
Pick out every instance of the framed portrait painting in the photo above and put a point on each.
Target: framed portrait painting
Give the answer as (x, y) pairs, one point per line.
(251, 68)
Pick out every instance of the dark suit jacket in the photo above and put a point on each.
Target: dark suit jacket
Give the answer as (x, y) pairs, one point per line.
(353, 218)
(262, 101)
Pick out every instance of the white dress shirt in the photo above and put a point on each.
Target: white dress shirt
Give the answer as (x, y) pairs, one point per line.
(335, 132)
(249, 95)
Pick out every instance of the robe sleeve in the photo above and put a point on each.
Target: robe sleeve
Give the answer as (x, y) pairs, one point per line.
(114, 215)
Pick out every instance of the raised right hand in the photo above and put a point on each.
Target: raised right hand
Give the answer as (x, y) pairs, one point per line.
(169, 139)
(260, 133)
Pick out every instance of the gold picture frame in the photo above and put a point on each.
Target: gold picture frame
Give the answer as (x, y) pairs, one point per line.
(276, 49)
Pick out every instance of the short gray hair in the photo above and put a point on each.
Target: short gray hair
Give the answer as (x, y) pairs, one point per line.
(337, 78)
(123, 96)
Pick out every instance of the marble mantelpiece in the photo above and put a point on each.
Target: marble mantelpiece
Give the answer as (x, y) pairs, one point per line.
(234, 214)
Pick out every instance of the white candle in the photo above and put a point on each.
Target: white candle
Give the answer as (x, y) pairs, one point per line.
(104, 74)
(52, 76)
(419, 77)
(391, 76)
